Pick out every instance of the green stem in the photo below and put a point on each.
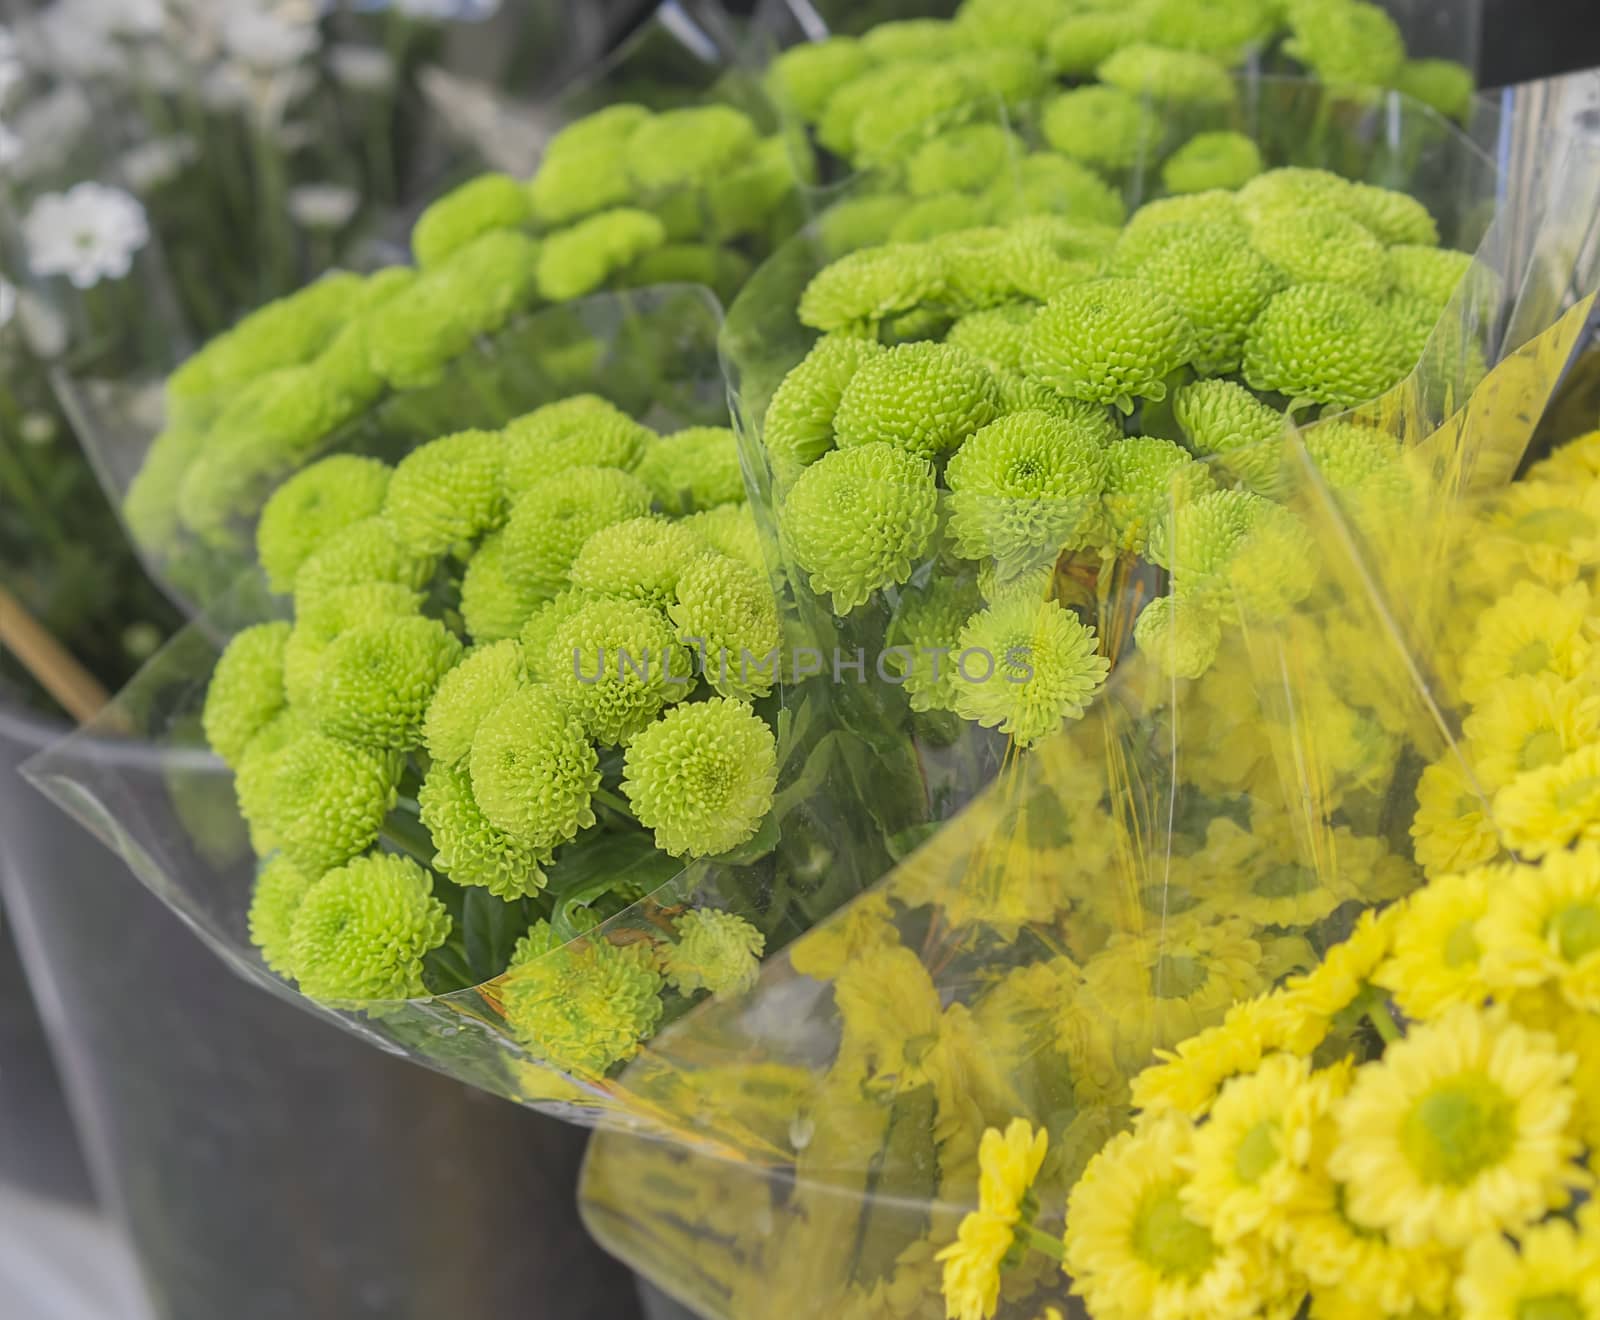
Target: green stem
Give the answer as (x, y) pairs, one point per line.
(611, 800)
(1047, 1244)
(408, 835)
(1381, 1018)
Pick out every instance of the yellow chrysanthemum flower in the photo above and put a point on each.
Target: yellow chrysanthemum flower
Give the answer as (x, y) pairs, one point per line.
(1577, 461)
(1553, 1273)
(1190, 1075)
(1435, 963)
(1258, 873)
(1159, 990)
(1008, 1162)
(1247, 1166)
(1134, 1251)
(1530, 630)
(1459, 1130)
(1548, 809)
(1544, 926)
(1452, 830)
(1525, 724)
(972, 1267)
(1577, 1034)
(1348, 967)
(1550, 530)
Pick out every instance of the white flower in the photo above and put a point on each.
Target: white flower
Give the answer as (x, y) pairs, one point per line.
(265, 41)
(361, 68)
(88, 233)
(44, 328)
(49, 127)
(38, 428)
(151, 164)
(323, 205)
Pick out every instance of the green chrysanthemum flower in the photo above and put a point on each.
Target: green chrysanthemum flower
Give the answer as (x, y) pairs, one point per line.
(716, 951)
(284, 333)
(540, 630)
(583, 168)
(323, 800)
(310, 507)
(1024, 487)
(688, 146)
(1324, 343)
(1024, 395)
(581, 431)
(859, 222)
(995, 336)
(365, 551)
(1025, 265)
(641, 559)
(1045, 184)
(617, 664)
(583, 1006)
(1026, 667)
(887, 131)
(804, 77)
(926, 625)
(1181, 640)
(1210, 161)
(941, 214)
(837, 124)
(1346, 41)
(472, 292)
(1026, 23)
(246, 690)
(697, 468)
(1224, 29)
(730, 529)
(1082, 42)
(468, 695)
(1222, 418)
(746, 199)
(1395, 217)
(964, 160)
(472, 850)
(1215, 276)
(926, 398)
(1178, 77)
(375, 681)
(929, 40)
(1234, 546)
(861, 289)
(534, 773)
(1105, 127)
(554, 517)
(495, 599)
(722, 270)
(1076, 240)
(1109, 341)
(280, 887)
(799, 423)
(1294, 188)
(577, 261)
(1444, 85)
(1145, 478)
(1212, 207)
(150, 507)
(1430, 273)
(252, 779)
(1014, 77)
(702, 777)
(491, 201)
(361, 932)
(1314, 246)
(858, 518)
(321, 621)
(1351, 456)
(726, 611)
(1415, 320)
(447, 492)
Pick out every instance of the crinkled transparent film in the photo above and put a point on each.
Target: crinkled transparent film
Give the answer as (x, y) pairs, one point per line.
(467, 102)
(1187, 845)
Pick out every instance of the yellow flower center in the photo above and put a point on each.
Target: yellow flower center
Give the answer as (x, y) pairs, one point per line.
(1577, 793)
(1541, 748)
(1532, 658)
(1287, 881)
(1177, 976)
(1257, 1152)
(1462, 946)
(1458, 1129)
(1577, 930)
(1166, 1239)
(1552, 527)
(1552, 1306)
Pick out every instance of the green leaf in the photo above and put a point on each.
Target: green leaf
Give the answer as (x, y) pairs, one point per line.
(762, 842)
(490, 929)
(598, 865)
